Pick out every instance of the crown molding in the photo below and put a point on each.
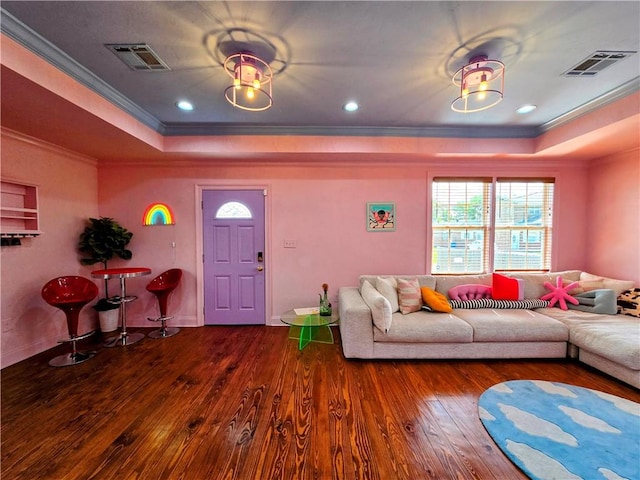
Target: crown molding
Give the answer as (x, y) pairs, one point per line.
(30, 39)
(205, 129)
(623, 90)
(47, 146)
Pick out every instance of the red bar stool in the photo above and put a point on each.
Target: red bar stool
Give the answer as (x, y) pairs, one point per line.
(70, 294)
(161, 287)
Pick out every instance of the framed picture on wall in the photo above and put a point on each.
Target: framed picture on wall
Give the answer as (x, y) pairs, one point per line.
(381, 216)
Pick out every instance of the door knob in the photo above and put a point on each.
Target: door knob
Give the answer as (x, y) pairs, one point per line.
(260, 268)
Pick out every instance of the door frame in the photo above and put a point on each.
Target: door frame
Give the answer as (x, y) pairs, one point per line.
(199, 188)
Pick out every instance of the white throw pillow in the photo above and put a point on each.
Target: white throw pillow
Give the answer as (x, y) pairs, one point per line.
(618, 286)
(380, 306)
(388, 287)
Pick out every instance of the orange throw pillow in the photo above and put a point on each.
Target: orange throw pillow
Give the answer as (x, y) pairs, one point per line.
(437, 301)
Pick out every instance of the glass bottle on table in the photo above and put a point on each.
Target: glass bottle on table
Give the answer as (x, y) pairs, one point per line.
(325, 305)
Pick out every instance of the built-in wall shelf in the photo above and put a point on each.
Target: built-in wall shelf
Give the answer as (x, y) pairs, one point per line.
(19, 214)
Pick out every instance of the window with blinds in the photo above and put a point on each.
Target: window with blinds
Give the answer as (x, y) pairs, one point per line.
(489, 224)
(460, 223)
(523, 223)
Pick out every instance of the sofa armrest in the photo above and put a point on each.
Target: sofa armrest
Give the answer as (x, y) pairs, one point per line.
(356, 324)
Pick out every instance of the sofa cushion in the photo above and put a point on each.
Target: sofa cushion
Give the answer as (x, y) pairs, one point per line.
(470, 291)
(506, 288)
(388, 287)
(534, 282)
(423, 280)
(444, 283)
(617, 341)
(596, 301)
(409, 296)
(379, 306)
(559, 294)
(491, 325)
(426, 327)
(491, 303)
(629, 302)
(436, 301)
(577, 317)
(586, 286)
(614, 284)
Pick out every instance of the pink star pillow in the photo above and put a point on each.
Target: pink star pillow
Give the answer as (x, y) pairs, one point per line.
(559, 293)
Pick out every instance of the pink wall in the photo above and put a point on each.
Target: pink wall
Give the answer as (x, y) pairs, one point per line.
(67, 197)
(322, 208)
(613, 232)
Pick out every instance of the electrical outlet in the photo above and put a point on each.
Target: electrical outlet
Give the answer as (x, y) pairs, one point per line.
(289, 243)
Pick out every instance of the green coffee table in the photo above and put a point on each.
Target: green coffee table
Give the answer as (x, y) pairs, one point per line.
(309, 328)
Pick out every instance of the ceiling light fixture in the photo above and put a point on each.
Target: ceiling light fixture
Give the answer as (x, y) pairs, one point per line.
(184, 105)
(526, 109)
(251, 86)
(350, 106)
(481, 84)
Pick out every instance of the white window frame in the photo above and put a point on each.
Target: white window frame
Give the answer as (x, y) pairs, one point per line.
(233, 210)
(475, 257)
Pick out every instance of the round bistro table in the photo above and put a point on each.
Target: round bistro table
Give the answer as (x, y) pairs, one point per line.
(124, 338)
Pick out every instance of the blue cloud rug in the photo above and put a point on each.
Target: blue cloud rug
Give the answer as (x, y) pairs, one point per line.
(563, 432)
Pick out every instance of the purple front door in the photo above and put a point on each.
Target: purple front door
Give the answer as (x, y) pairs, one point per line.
(233, 226)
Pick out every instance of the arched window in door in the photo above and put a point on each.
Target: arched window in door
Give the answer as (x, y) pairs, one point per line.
(233, 210)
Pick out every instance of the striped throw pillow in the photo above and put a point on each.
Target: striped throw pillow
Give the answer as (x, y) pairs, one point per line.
(529, 304)
(409, 295)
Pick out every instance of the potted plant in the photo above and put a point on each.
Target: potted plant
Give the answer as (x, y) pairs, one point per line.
(102, 239)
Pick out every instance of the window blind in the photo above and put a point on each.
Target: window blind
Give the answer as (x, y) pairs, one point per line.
(485, 224)
(460, 221)
(523, 224)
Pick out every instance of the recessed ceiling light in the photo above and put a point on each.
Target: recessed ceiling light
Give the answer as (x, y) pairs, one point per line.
(184, 105)
(350, 106)
(526, 109)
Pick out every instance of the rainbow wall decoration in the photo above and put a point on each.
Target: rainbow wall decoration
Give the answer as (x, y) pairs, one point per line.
(158, 214)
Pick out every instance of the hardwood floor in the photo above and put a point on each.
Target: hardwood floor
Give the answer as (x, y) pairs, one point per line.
(244, 403)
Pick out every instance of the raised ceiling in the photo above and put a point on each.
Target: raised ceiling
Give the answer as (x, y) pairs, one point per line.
(396, 59)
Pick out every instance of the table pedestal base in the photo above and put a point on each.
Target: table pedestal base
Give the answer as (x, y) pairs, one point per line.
(310, 333)
(124, 339)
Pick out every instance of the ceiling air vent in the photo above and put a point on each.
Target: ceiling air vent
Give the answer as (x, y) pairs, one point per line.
(138, 56)
(595, 63)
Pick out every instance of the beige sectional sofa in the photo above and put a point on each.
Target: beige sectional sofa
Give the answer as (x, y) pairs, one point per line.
(609, 342)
